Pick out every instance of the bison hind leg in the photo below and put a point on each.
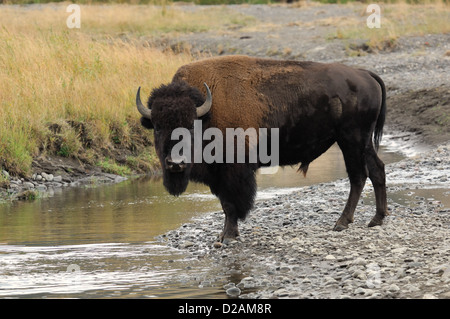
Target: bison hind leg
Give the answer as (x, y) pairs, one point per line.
(378, 177)
(357, 173)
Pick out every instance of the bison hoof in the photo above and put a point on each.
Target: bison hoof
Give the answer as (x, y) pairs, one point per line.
(228, 237)
(375, 222)
(340, 227)
(228, 241)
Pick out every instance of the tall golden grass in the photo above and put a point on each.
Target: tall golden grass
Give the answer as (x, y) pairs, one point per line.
(52, 77)
(50, 74)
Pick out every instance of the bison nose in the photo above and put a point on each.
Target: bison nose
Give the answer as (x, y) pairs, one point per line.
(175, 165)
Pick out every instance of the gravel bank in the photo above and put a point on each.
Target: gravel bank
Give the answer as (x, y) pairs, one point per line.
(288, 250)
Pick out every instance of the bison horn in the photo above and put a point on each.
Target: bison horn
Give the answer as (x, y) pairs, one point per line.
(202, 110)
(146, 112)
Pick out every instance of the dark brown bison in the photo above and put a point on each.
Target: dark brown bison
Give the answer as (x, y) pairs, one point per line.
(312, 104)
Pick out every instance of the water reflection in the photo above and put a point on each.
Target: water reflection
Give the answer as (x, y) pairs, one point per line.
(108, 231)
(100, 270)
(132, 211)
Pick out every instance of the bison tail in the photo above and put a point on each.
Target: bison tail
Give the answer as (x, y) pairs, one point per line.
(378, 134)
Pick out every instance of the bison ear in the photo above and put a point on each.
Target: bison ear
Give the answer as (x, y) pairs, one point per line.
(146, 123)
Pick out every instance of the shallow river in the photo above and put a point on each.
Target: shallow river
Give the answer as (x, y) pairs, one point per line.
(100, 242)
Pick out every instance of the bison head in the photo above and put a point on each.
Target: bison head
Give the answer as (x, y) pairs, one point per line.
(172, 106)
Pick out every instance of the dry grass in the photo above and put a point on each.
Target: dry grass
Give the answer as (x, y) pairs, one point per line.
(119, 19)
(397, 20)
(151, 20)
(71, 92)
(61, 76)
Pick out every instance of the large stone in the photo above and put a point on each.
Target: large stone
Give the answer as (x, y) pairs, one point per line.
(233, 291)
(48, 177)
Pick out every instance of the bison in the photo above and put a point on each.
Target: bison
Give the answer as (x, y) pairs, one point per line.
(312, 104)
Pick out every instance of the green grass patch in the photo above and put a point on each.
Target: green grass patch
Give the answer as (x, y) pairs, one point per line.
(146, 161)
(110, 166)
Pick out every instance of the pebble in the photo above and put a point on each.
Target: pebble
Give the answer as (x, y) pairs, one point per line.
(217, 245)
(5, 174)
(393, 288)
(187, 244)
(233, 291)
(281, 293)
(229, 285)
(400, 250)
(28, 185)
(359, 261)
(303, 225)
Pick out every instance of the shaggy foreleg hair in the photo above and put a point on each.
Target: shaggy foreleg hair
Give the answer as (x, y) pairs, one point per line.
(237, 187)
(303, 168)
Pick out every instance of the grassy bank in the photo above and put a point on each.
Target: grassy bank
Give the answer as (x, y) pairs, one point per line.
(70, 92)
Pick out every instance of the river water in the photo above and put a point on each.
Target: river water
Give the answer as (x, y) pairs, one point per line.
(100, 242)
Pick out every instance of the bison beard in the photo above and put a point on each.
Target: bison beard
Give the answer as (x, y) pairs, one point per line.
(176, 183)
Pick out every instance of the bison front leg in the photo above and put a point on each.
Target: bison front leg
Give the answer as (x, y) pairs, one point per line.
(236, 190)
(230, 228)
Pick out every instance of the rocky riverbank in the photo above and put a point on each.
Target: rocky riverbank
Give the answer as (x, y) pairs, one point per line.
(44, 182)
(287, 248)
